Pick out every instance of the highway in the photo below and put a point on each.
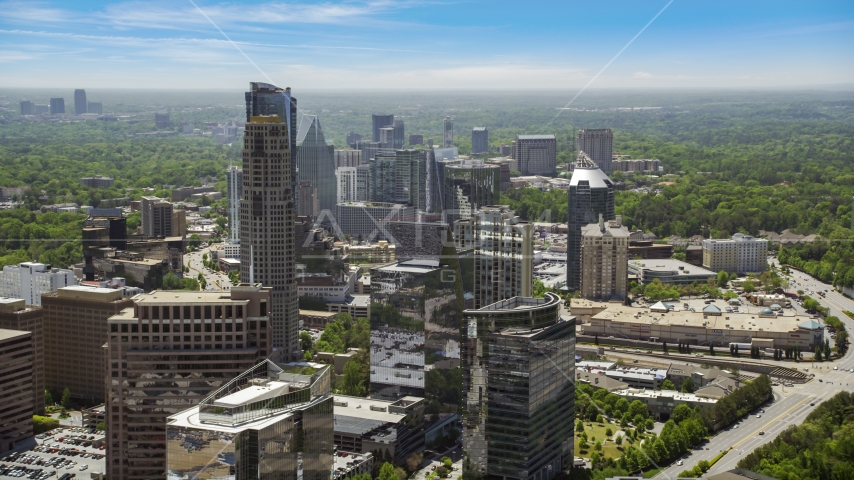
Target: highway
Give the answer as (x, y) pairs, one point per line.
(791, 405)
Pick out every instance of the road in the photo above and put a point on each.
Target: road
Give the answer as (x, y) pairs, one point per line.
(216, 281)
(791, 405)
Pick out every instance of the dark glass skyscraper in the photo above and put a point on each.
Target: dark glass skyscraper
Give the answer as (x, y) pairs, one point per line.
(80, 106)
(518, 362)
(416, 307)
(468, 186)
(378, 122)
(316, 163)
(591, 193)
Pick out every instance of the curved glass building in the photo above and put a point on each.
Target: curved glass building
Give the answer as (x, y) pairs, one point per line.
(591, 193)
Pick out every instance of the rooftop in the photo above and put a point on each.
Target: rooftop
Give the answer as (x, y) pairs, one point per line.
(410, 266)
(7, 334)
(741, 321)
(535, 137)
(644, 393)
(665, 265)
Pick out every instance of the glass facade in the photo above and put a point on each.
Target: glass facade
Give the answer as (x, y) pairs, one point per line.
(291, 437)
(416, 308)
(518, 358)
(467, 187)
(316, 162)
(591, 193)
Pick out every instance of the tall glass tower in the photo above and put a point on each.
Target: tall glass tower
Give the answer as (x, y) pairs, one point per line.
(591, 193)
(234, 184)
(316, 162)
(448, 135)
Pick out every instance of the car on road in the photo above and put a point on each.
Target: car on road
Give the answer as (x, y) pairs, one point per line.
(762, 432)
(812, 404)
(679, 463)
(836, 368)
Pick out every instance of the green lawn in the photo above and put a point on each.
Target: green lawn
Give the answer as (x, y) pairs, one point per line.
(597, 431)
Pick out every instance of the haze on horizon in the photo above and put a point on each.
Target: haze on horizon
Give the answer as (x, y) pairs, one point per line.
(426, 44)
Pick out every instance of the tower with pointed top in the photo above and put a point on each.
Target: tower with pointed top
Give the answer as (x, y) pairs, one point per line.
(591, 193)
(316, 163)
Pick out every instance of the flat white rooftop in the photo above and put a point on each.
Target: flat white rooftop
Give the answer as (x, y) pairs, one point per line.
(253, 393)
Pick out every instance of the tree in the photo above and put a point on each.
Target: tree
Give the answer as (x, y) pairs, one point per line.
(723, 278)
(387, 472)
(43, 424)
(818, 354)
(667, 385)
(827, 349)
(202, 282)
(353, 383)
(608, 432)
(447, 462)
(748, 286)
(599, 418)
(579, 426)
(442, 472)
(649, 424)
(101, 426)
(48, 399)
(619, 440)
(414, 461)
(664, 347)
(625, 420)
(539, 289)
(688, 386)
(193, 242)
(66, 398)
(681, 413)
(305, 341)
(597, 446)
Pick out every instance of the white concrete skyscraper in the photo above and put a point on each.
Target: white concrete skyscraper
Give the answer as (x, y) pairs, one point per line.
(267, 210)
(234, 183)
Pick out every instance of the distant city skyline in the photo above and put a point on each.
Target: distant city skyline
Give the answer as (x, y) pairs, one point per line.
(101, 44)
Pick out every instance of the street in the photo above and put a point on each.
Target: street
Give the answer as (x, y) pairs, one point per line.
(791, 405)
(216, 281)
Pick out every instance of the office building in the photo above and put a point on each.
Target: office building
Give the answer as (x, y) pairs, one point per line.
(57, 106)
(604, 260)
(30, 280)
(378, 122)
(353, 138)
(267, 248)
(416, 308)
(479, 140)
(383, 178)
(591, 193)
(375, 426)
(175, 348)
(505, 150)
(272, 421)
(597, 143)
(503, 254)
(307, 195)
(161, 120)
(411, 178)
(41, 109)
(348, 158)
(80, 106)
(536, 154)
(503, 343)
(448, 133)
(742, 254)
(353, 183)
(398, 135)
(504, 165)
(16, 388)
(27, 108)
(156, 217)
(95, 107)
(75, 327)
(267, 99)
(468, 185)
(16, 315)
(416, 139)
(234, 192)
(316, 163)
(179, 223)
(371, 150)
(387, 137)
(368, 220)
(635, 165)
(647, 249)
(97, 182)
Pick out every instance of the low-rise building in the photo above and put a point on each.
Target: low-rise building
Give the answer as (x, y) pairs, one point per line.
(97, 182)
(315, 318)
(350, 464)
(669, 271)
(358, 306)
(391, 430)
(645, 249)
(381, 252)
(661, 403)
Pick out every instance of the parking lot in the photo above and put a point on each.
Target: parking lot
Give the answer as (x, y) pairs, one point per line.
(63, 452)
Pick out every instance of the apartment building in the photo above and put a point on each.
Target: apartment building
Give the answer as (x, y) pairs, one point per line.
(598, 143)
(167, 353)
(742, 254)
(368, 220)
(536, 154)
(604, 260)
(30, 280)
(156, 217)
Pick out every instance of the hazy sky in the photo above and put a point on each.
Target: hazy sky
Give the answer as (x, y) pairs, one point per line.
(415, 44)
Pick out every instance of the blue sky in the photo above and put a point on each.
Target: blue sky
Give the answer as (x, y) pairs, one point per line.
(430, 44)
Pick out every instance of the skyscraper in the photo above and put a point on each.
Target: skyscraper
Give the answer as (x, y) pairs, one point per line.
(353, 138)
(378, 122)
(80, 106)
(467, 186)
(234, 185)
(16, 315)
(503, 254)
(316, 163)
(398, 134)
(448, 135)
(27, 107)
(267, 99)
(156, 217)
(387, 137)
(479, 140)
(383, 179)
(536, 154)
(57, 106)
(518, 362)
(597, 143)
(307, 204)
(267, 250)
(95, 107)
(591, 193)
(353, 183)
(348, 158)
(604, 260)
